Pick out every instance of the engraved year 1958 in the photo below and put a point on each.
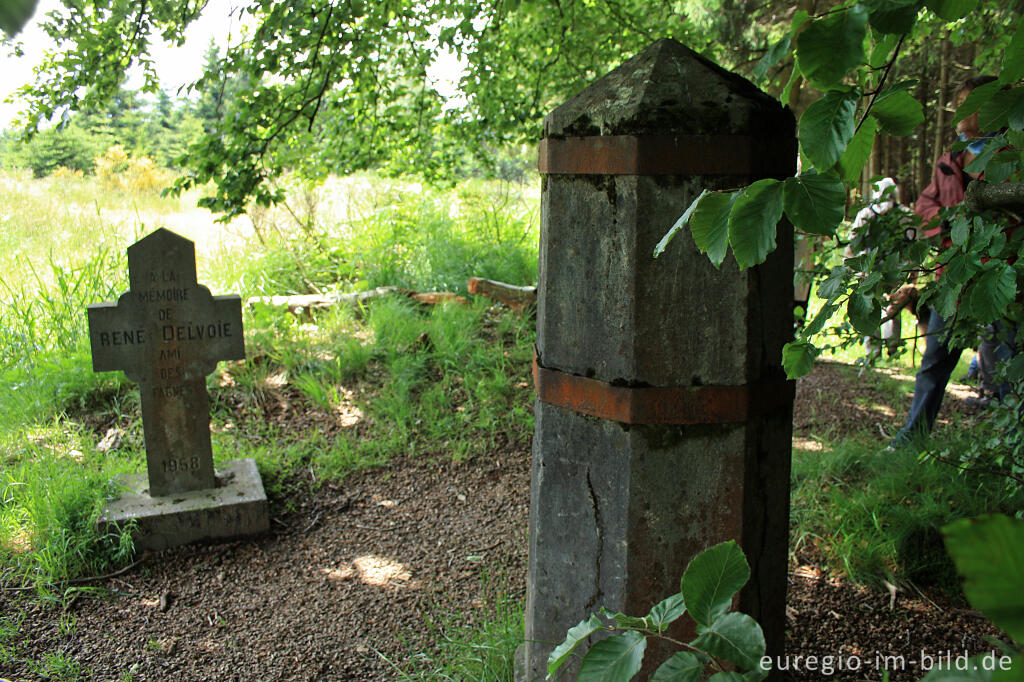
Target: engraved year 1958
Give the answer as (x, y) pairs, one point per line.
(173, 465)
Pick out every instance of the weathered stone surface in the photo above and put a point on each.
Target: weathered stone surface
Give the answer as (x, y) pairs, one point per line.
(668, 89)
(618, 511)
(235, 507)
(167, 332)
(627, 305)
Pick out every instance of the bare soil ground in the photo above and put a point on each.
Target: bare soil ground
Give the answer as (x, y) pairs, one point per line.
(346, 586)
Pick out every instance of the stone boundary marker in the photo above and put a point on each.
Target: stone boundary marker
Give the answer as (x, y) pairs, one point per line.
(663, 417)
(167, 333)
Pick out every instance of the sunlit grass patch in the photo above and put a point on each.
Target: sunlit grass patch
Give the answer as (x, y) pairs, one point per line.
(317, 397)
(51, 495)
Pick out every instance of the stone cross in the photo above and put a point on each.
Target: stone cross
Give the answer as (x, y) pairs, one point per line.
(663, 417)
(167, 332)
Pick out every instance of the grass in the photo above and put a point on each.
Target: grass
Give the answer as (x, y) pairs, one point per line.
(477, 647)
(9, 628)
(373, 232)
(392, 379)
(876, 515)
(50, 499)
(57, 665)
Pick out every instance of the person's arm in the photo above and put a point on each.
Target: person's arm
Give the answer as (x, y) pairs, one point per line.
(926, 208)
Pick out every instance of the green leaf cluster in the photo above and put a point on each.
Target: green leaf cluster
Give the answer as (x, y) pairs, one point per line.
(850, 54)
(746, 220)
(14, 14)
(707, 589)
(989, 554)
(321, 86)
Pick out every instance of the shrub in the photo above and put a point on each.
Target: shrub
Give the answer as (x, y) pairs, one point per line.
(119, 171)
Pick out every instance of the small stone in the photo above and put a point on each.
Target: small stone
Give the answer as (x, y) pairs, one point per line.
(111, 439)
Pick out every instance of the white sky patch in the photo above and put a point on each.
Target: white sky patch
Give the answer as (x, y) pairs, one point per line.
(448, 68)
(176, 67)
(444, 74)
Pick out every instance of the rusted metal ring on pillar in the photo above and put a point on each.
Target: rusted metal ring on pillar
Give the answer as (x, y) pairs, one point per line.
(672, 405)
(667, 155)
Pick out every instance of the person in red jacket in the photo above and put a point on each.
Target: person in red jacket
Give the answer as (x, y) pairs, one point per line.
(949, 182)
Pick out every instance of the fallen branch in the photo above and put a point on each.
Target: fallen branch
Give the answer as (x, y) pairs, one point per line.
(437, 297)
(982, 196)
(307, 304)
(514, 296)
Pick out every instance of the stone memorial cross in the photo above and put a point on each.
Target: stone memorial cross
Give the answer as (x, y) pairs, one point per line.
(167, 332)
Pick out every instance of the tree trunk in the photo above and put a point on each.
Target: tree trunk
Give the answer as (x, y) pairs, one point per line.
(874, 161)
(941, 119)
(923, 165)
(886, 163)
(903, 169)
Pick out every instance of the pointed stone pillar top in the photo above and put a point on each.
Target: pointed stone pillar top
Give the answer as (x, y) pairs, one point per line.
(667, 88)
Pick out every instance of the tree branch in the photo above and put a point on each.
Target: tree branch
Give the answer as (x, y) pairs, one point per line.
(981, 196)
(881, 83)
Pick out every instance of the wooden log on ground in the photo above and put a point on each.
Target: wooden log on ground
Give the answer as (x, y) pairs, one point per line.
(515, 297)
(436, 297)
(307, 304)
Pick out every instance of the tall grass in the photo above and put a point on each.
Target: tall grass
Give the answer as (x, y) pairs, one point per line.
(374, 232)
(875, 513)
(52, 486)
(44, 348)
(52, 491)
(436, 241)
(66, 239)
(446, 380)
(72, 216)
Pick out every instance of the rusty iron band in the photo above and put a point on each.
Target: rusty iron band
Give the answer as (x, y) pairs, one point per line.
(673, 405)
(668, 155)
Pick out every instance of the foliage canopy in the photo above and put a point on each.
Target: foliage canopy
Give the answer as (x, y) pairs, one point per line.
(323, 86)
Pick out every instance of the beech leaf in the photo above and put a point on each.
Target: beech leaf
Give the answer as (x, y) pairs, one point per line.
(829, 47)
(753, 221)
(989, 554)
(827, 126)
(709, 225)
(815, 203)
(711, 580)
(614, 659)
(576, 634)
